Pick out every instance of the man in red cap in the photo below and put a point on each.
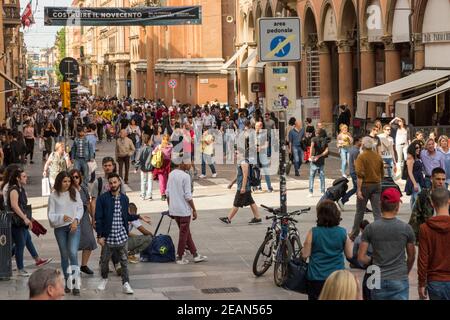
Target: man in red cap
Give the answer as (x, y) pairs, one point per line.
(390, 239)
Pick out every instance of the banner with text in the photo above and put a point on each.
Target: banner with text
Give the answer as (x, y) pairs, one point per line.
(139, 16)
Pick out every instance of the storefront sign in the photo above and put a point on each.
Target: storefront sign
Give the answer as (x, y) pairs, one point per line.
(138, 16)
(436, 37)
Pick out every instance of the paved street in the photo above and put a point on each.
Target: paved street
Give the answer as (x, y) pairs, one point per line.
(230, 249)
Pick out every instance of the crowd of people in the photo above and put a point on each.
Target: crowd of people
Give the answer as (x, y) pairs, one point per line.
(166, 142)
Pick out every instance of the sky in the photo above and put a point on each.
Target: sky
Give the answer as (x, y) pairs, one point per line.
(40, 36)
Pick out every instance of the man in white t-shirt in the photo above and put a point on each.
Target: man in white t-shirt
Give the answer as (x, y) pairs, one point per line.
(181, 207)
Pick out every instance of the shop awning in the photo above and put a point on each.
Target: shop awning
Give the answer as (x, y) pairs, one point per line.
(235, 56)
(384, 92)
(6, 77)
(402, 106)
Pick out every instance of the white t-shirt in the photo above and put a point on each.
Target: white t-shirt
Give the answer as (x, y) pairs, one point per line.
(401, 138)
(179, 193)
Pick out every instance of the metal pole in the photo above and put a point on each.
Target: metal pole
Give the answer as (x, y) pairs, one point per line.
(283, 189)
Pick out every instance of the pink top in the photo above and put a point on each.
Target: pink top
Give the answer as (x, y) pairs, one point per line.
(28, 133)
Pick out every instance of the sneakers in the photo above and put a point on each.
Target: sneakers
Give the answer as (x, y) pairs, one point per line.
(67, 290)
(182, 261)
(76, 292)
(43, 262)
(199, 258)
(102, 285)
(132, 259)
(163, 197)
(142, 197)
(310, 195)
(255, 221)
(214, 175)
(344, 176)
(148, 198)
(24, 273)
(126, 288)
(202, 176)
(270, 190)
(225, 220)
(85, 269)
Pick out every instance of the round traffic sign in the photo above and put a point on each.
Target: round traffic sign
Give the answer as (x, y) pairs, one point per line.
(172, 83)
(282, 50)
(69, 67)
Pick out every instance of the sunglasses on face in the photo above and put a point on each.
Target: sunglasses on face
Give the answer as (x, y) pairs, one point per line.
(76, 177)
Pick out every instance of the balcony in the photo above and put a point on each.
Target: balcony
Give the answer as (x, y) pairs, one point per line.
(11, 14)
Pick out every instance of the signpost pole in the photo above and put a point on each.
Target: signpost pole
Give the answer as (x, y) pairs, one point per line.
(282, 136)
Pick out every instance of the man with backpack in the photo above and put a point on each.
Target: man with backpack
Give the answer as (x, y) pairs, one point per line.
(144, 163)
(243, 198)
(319, 151)
(181, 208)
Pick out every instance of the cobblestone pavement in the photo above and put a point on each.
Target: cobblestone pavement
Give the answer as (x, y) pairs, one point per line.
(230, 248)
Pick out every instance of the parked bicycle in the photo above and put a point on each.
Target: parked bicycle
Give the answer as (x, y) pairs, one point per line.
(281, 243)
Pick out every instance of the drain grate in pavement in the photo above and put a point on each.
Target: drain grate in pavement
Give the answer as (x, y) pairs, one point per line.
(221, 290)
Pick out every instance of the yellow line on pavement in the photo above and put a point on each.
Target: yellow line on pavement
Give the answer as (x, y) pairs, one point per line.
(280, 46)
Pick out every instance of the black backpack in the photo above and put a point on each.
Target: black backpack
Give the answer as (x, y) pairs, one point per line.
(255, 176)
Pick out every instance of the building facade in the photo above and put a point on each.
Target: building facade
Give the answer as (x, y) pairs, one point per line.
(348, 46)
(12, 54)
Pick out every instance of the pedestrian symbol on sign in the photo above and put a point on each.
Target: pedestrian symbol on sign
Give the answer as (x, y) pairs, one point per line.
(281, 46)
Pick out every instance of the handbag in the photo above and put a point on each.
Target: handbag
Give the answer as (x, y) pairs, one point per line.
(296, 278)
(46, 190)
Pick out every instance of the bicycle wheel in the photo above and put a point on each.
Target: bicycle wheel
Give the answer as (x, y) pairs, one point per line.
(283, 256)
(263, 258)
(296, 244)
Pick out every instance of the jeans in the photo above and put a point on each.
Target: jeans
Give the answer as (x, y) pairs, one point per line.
(18, 237)
(68, 243)
(351, 192)
(206, 158)
(120, 250)
(265, 169)
(344, 159)
(146, 184)
(81, 164)
(137, 244)
(414, 196)
(124, 161)
(391, 290)
(185, 238)
(438, 290)
(389, 162)
(297, 153)
(370, 192)
(28, 244)
(401, 154)
(312, 173)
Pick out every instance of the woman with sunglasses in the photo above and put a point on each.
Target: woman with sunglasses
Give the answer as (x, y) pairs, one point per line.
(65, 211)
(17, 203)
(88, 242)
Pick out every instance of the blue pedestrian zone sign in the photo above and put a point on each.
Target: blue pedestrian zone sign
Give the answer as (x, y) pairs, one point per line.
(284, 50)
(279, 40)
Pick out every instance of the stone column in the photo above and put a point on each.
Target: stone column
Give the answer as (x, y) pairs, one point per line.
(150, 90)
(345, 73)
(326, 98)
(252, 75)
(368, 73)
(392, 69)
(121, 79)
(419, 52)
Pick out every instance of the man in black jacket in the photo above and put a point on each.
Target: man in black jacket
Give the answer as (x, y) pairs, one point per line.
(344, 116)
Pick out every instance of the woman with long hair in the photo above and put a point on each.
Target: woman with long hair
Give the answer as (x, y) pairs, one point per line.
(325, 246)
(65, 211)
(415, 180)
(344, 143)
(157, 136)
(162, 174)
(88, 243)
(341, 285)
(17, 203)
(47, 134)
(401, 141)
